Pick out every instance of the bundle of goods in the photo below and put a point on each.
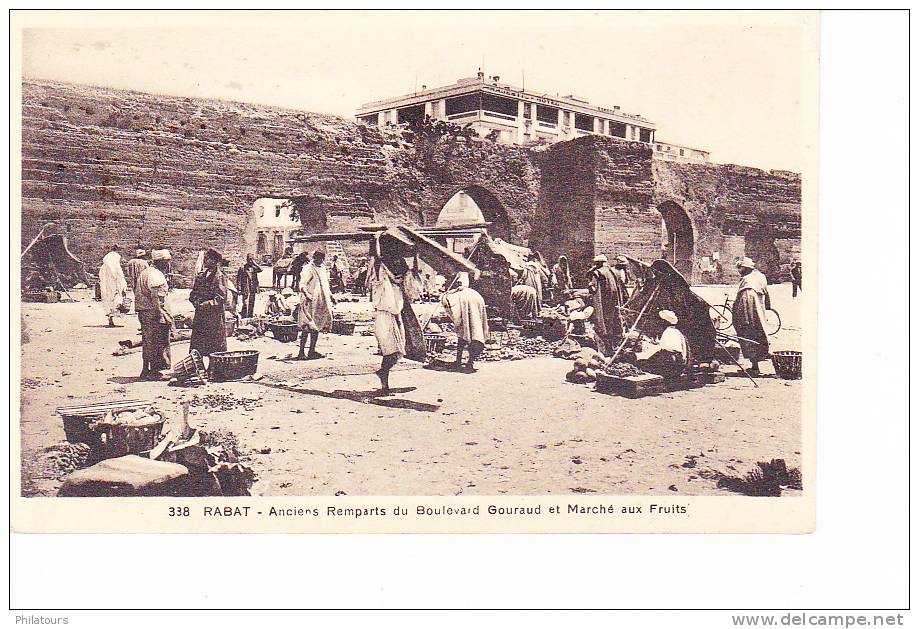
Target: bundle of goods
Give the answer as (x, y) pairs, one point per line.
(588, 362)
(113, 429)
(181, 322)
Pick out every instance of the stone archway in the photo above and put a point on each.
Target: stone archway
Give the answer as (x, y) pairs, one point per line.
(462, 204)
(677, 238)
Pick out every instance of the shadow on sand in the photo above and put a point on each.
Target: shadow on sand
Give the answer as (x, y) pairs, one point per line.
(374, 396)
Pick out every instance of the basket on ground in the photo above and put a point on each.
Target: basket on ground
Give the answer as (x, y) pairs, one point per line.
(92, 424)
(787, 364)
(343, 327)
(233, 365)
(190, 370)
(435, 343)
(284, 331)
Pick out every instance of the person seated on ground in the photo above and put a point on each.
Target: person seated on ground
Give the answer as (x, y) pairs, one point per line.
(467, 311)
(669, 355)
(314, 313)
(524, 298)
(282, 304)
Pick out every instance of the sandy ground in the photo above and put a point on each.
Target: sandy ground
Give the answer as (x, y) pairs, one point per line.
(515, 427)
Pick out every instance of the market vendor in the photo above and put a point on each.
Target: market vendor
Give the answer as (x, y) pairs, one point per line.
(609, 293)
(466, 308)
(525, 300)
(668, 356)
(283, 303)
(314, 313)
(209, 296)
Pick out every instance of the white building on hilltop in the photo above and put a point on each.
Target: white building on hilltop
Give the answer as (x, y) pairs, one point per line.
(512, 115)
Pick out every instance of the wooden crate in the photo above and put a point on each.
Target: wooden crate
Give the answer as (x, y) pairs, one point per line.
(631, 386)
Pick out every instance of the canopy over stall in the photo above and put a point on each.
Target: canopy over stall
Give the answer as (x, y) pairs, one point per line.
(663, 284)
(49, 262)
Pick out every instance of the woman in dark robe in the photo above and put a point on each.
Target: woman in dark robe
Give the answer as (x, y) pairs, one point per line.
(209, 296)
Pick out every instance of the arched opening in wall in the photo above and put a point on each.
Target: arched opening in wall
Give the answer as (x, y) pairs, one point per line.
(270, 228)
(470, 206)
(759, 246)
(677, 238)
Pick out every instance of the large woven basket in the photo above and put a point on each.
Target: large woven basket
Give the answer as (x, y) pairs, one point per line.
(190, 370)
(284, 331)
(85, 424)
(787, 364)
(233, 365)
(435, 343)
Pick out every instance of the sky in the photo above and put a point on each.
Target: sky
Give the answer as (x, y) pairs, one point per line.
(737, 84)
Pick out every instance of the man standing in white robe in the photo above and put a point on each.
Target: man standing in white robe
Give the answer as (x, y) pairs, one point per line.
(112, 285)
(314, 313)
(466, 308)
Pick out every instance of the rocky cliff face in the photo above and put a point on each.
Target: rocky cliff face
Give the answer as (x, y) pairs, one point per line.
(156, 171)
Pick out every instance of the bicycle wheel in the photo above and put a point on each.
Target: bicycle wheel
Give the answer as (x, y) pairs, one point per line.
(773, 322)
(721, 316)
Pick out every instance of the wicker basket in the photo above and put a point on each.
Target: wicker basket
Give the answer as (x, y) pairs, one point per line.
(233, 365)
(435, 343)
(787, 364)
(284, 331)
(83, 424)
(343, 327)
(190, 370)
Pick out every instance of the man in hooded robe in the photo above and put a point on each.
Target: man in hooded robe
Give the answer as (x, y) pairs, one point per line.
(749, 310)
(609, 293)
(112, 284)
(314, 313)
(209, 296)
(466, 308)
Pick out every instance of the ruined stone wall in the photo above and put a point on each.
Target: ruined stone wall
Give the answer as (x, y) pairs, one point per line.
(156, 171)
(736, 211)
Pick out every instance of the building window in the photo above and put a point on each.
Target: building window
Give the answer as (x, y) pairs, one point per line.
(463, 104)
(617, 129)
(408, 114)
(499, 105)
(658, 147)
(645, 135)
(547, 114)
(584, 123)
(261, 245)
(277, 211)
(682, 152)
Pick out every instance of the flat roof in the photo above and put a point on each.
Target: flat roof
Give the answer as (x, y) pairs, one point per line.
(471, 85)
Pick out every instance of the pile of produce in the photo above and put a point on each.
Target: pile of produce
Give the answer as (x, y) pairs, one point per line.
(537, 346)
(622, 370)
(63, 458)
(588, 362)
(224, 402)
(137, 417)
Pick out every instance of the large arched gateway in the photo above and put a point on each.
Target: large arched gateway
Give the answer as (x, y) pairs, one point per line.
(677, 238)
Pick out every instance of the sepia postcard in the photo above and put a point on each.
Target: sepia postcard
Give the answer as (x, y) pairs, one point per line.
(415, 272)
